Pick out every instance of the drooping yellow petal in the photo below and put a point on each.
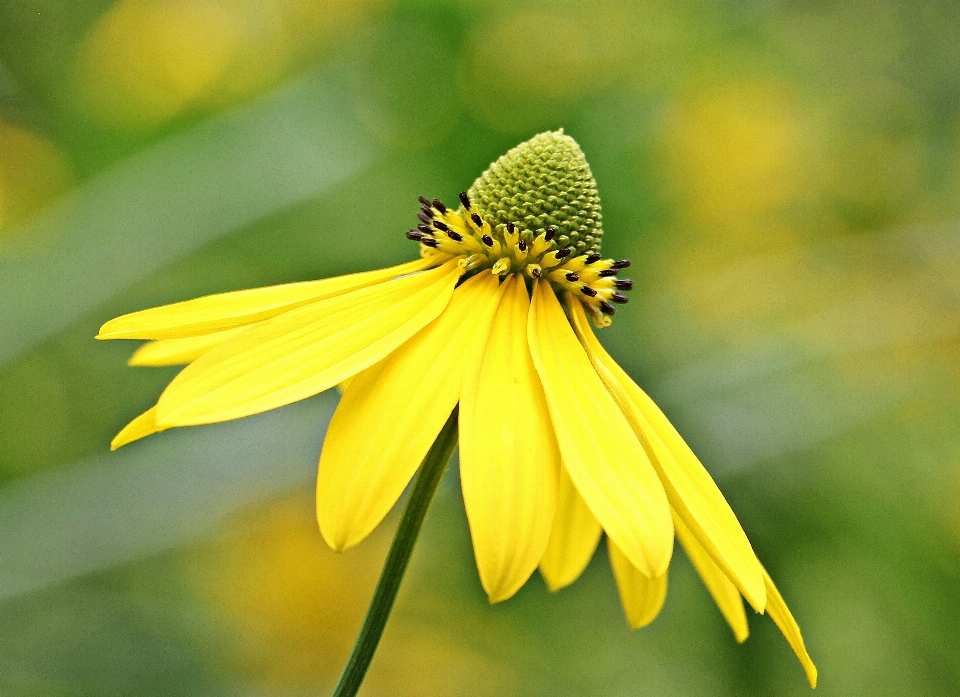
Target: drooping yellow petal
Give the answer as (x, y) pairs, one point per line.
(509, 461)
(212, 313)
(573, 538)
(605, 460)
(780, 614)
(179, 351)
(392, 411)
(724, 593)
(304, 351)
(691, 490)
(641, 597)
(141, 427)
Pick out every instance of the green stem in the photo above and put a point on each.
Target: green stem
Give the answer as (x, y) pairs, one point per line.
(425, 486)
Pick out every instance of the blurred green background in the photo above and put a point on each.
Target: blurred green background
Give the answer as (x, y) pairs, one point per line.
(785, 177)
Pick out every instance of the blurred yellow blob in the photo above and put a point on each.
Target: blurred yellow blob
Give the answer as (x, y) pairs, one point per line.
(517, 70)
(33, 172)
(146, 62)
(293, 608)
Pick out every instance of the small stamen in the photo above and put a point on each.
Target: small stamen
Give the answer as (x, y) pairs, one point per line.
(510, 227)
(622, 264)
(521, 245)
(623, 284)
(594, 258)
(425, 229)
(425, 217)
(424, 201)
(588, 291)
(607, 308)
(573, 277)
(455, 236)
(439, 206)
(565, 252)
(414, 235)
(430, 242)
(465, 200)
(607, 273)
(478, 221)
(620, 298)
(487, 240)
(440, 225)
(550, 234)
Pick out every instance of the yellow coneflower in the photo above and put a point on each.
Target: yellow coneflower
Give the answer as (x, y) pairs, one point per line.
(557, 443)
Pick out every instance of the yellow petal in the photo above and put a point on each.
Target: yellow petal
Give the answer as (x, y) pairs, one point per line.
(142, 426)
(391, 413)
(179, 351)
(573, 538)
(724, 593)
(509, 462)
(211, 313)
(691, 490)
(605, 460)
(304, 351)
(780, 614)
(641, 597)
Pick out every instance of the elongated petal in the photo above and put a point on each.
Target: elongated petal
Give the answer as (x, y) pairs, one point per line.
(691, 490)
(605, 460)
(724, 593)
(141, 427)
(642, 598)
(391, 413)
(212, 313)
(781, 615)
(179, 351)
(509, 461)
(573, 538)
(304, 351)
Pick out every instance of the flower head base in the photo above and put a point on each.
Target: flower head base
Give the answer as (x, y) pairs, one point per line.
(534, 212)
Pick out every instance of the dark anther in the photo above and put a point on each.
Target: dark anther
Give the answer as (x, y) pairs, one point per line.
(510, 227)
(607, 309)
(565, 252)
(620, 298)
(588, 291)
(440, 225)
(594, 258)
(424, 201)
(622, 264)
(430, 242)
(573, 277)
(425, 217)
(522, 246)
(487, 240)
(465, 200)
(455, 236)
(537, 273)
(623, 284)
(551, 233)
(439, 205)
(415, 235)
(607, 273)
(476, 219)
(425, 229)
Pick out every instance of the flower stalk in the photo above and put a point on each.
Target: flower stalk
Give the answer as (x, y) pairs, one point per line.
(424, 488)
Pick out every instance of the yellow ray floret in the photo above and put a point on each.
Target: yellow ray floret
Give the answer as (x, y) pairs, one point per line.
(212, 313)
(509, 475)
(573, 538)
(642, 598)
(179, 351)
(691, 490)
(393, 411)
(600, 452)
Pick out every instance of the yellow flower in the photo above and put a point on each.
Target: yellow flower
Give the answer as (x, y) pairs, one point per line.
(557, 443)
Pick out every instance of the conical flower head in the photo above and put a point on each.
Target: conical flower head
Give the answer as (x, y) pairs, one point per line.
(540, 184)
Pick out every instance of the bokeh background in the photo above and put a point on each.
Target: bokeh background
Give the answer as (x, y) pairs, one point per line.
(784, 175)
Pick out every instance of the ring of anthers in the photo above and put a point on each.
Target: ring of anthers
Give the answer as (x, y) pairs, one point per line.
(510, 249)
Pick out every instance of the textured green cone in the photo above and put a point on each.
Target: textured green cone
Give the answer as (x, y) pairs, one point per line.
(543, 182)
